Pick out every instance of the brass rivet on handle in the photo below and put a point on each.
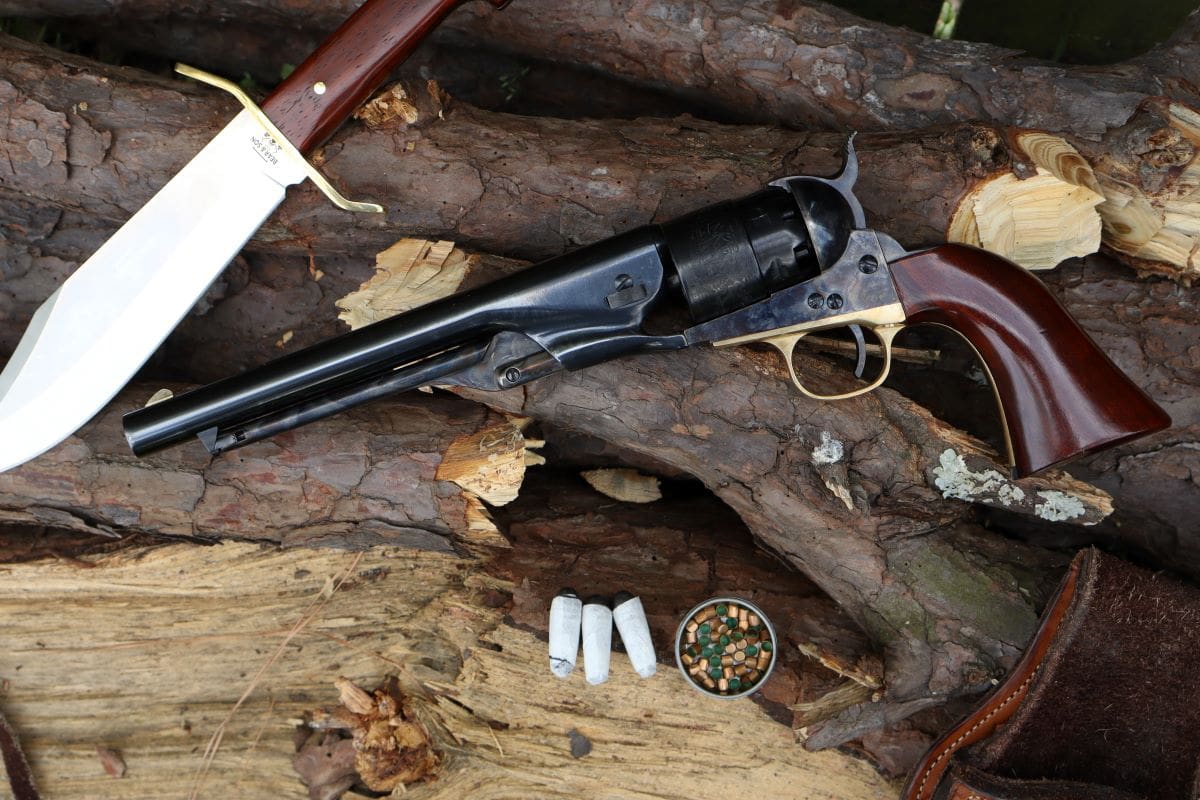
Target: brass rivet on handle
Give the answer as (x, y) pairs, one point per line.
(319, 87)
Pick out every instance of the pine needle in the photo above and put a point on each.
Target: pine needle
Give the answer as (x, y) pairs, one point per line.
(314, 608)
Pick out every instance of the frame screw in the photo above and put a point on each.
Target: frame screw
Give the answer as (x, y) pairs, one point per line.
(512, 375)
(815, 300)
(834, 301)
(868, 264)
(624, 281)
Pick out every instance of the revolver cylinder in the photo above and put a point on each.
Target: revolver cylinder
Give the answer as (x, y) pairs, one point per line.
(731, 254)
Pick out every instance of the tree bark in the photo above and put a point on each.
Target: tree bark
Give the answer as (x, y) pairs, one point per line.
(819, 66)
(826, 68)
(353, 481)
(816, 65)
(78, 140)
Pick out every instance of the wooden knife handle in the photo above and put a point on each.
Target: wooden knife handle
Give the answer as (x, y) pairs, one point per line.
(1060, 395)
(351, 64)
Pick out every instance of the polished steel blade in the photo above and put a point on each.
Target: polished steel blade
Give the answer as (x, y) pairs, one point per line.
(93, 334)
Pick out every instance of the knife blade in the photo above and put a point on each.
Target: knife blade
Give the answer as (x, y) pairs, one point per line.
(90, 337)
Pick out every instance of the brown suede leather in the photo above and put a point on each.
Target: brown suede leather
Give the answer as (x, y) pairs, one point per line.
(1109, 700)
(1000, 704)
(964, 783)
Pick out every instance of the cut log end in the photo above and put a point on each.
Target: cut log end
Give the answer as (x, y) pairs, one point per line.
(1038, 220)
(1151, 210)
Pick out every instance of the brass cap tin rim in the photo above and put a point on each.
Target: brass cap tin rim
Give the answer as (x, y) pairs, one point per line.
(753, 608)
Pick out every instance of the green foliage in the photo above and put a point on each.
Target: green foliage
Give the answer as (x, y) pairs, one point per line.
(248, 84)
(32, 30)
(510, 84)
(947, 18)
(1073, 31)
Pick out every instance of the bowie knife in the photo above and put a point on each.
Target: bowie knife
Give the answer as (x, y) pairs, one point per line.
(89, 338)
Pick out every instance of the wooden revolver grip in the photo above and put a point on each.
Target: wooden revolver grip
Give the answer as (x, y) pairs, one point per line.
(1060, 395)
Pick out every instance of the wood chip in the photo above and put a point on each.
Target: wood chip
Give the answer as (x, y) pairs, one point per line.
(830, 704)
(159, 396)
(627, 485)
(354, 698)
(410, 273)
(481, 529)
(393, 103)
(393, 747)
(489, 463)
(865, 670)
(112, 761)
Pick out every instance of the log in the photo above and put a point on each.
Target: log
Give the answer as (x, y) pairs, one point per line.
(823, 67)
(63, 218)
(276, 300)
(819, 66)
(502, 179)
(1148, 328)
(828, 68)
(98, 649)
(419, 478)
(483, 78)
(382, 478)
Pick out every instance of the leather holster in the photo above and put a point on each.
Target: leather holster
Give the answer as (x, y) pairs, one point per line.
(1104, 704)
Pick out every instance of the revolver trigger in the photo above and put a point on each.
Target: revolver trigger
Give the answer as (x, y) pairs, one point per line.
(861, 364)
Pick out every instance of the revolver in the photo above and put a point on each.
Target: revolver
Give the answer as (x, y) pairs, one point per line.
(791, 259)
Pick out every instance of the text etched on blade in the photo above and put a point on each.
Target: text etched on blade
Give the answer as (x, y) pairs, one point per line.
(267, 148)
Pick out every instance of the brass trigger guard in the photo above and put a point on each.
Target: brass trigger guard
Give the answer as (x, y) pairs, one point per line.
(786, 345)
